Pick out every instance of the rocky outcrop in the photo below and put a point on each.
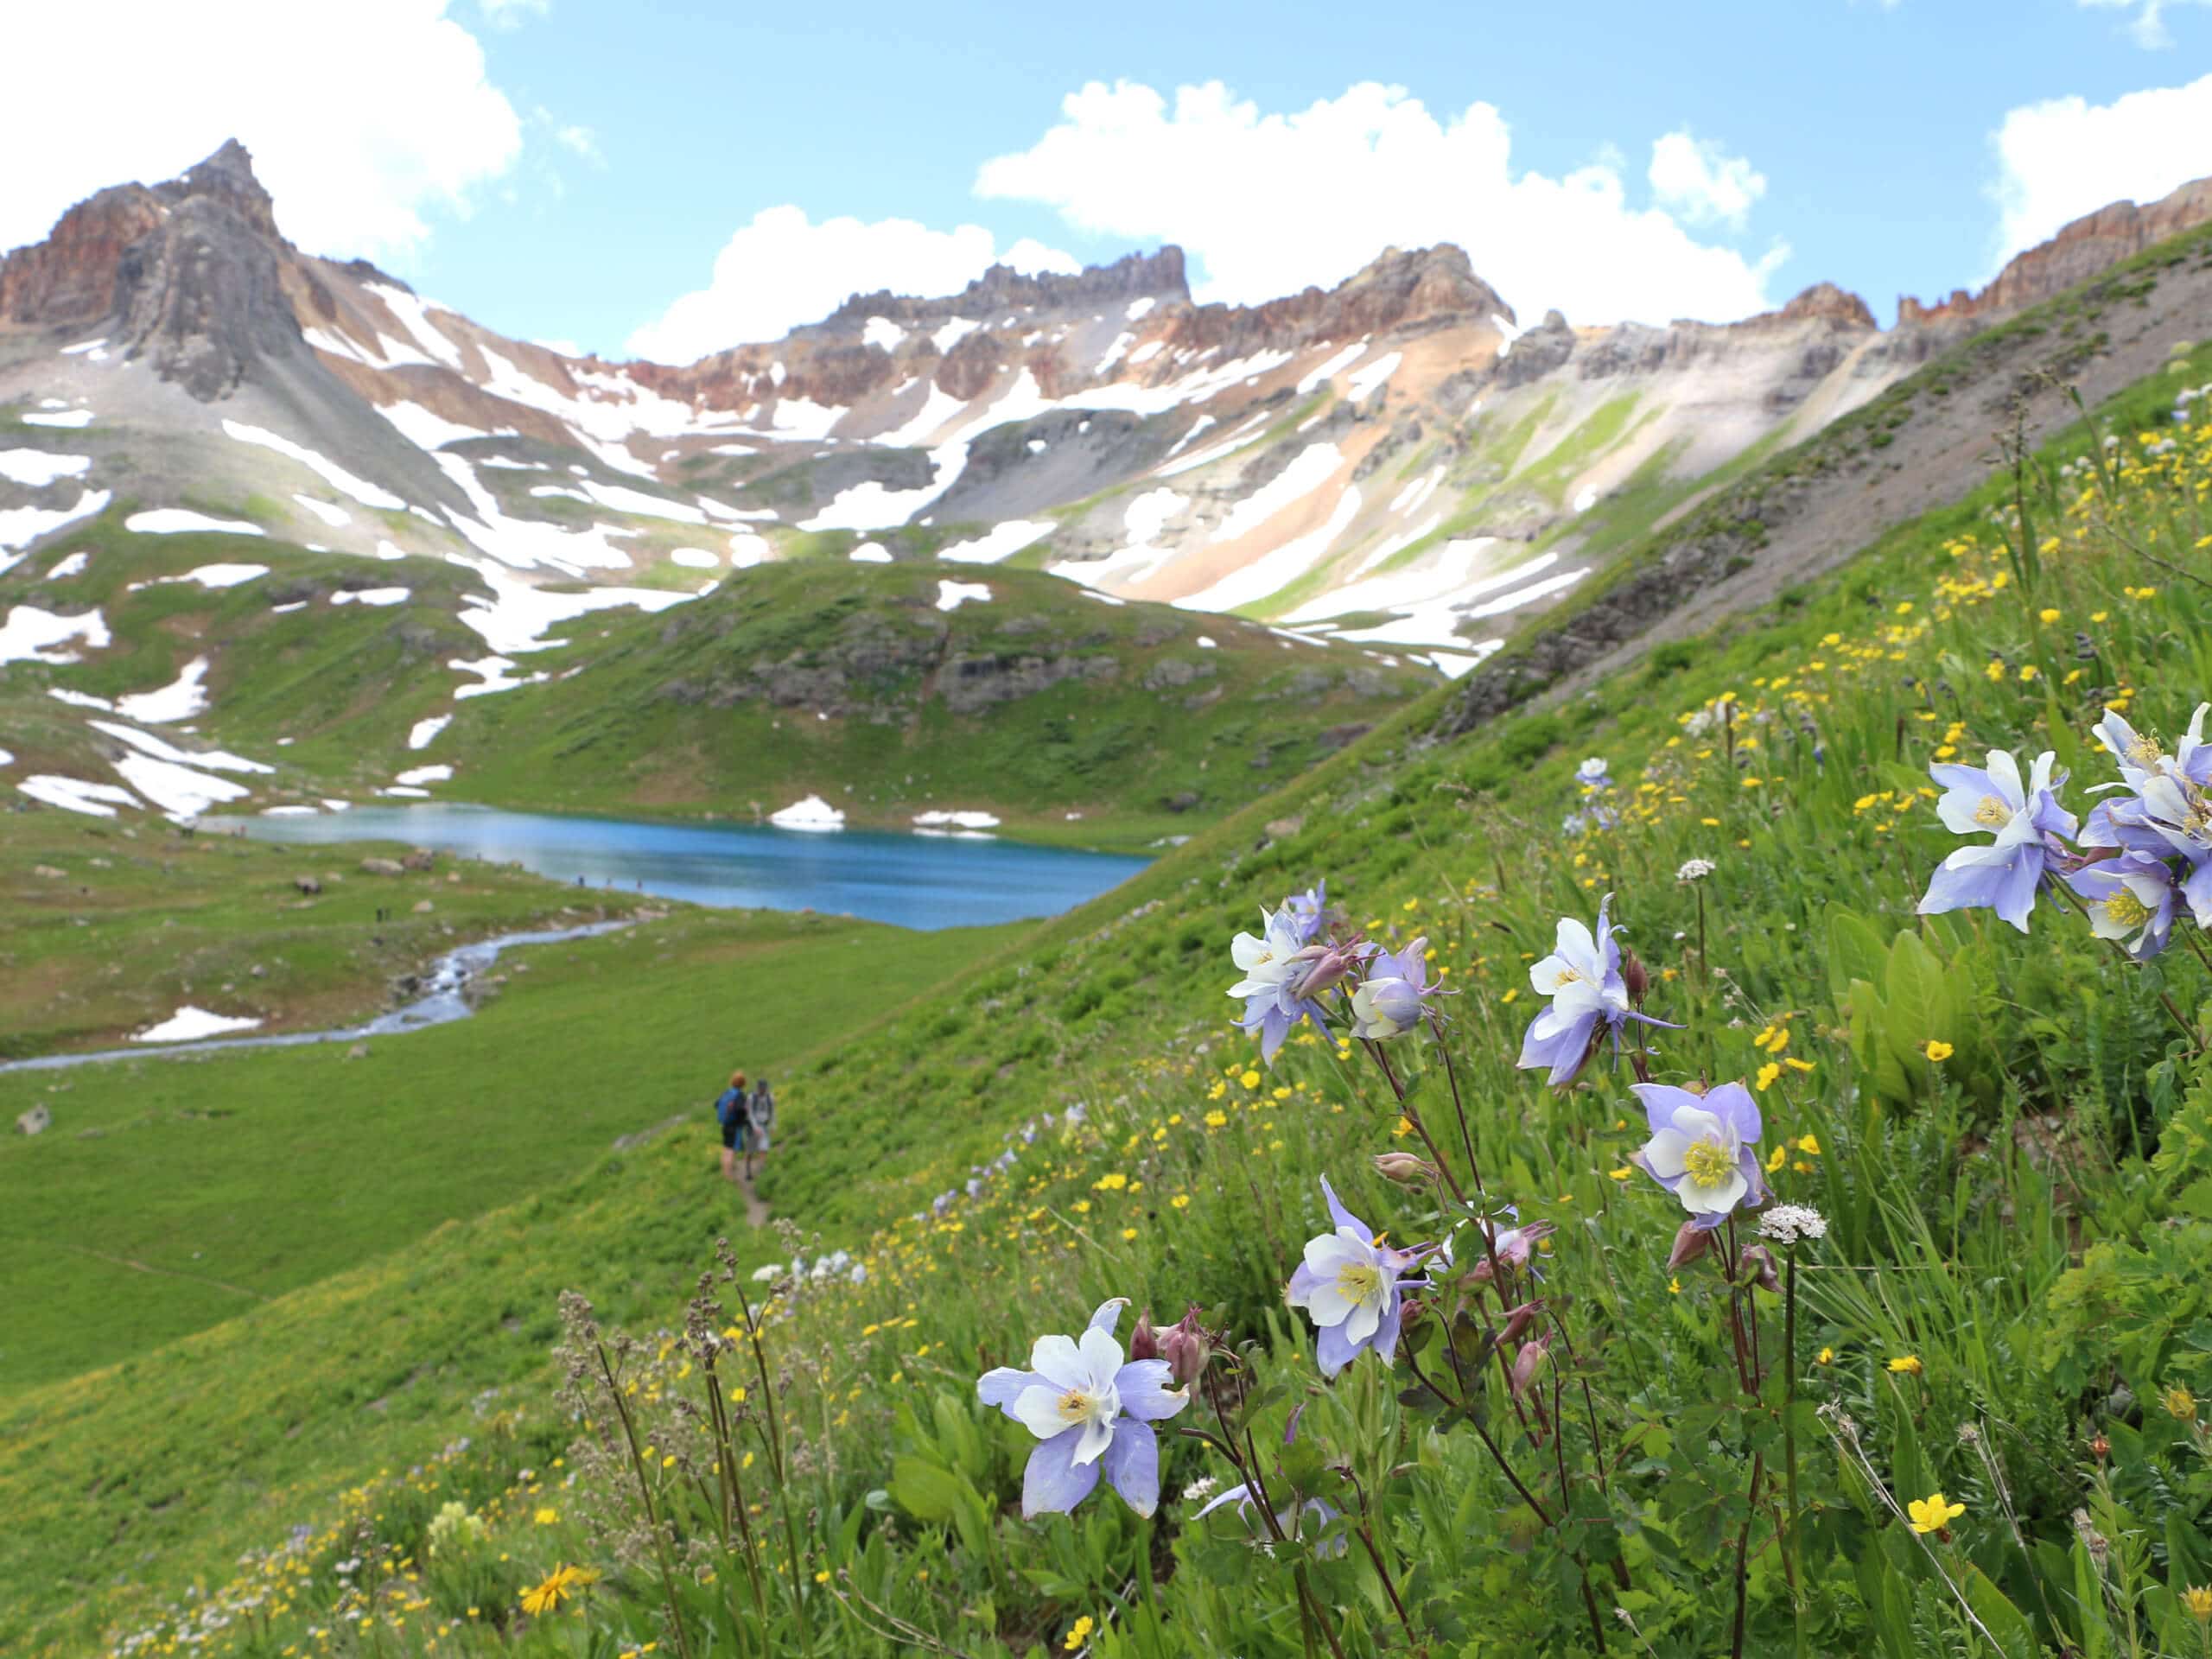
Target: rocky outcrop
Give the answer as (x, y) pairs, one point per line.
(2092, 244)
(1401, 291)
(1003, 289)
(1537, 352)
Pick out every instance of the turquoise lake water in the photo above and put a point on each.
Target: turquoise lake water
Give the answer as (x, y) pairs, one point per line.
(919, 881)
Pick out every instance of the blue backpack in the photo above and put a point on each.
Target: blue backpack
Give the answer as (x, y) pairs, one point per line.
(729, 1107)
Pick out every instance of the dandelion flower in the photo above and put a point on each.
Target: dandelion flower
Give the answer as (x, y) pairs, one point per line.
(1906, 1366)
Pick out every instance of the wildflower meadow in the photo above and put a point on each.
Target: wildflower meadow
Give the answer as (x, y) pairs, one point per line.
(1720, 1165)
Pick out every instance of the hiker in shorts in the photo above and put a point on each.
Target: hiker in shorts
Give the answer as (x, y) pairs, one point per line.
(733, 1113)
(760, 1118)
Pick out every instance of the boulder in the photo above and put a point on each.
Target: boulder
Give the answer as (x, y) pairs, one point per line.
(37, 1121)
(308, 885)
(381, 866)
(421, 859)
(424, 907)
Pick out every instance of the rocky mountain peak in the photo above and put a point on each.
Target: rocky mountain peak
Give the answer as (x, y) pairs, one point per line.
(227, 177)
(1002, 290)
(1826, 301)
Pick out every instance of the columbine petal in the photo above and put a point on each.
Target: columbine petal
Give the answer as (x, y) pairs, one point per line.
(1054, 1482)
(1342, 1216)
(1146, 1394)
(1002, 1387)
(1131, 1463)
(1663, 1155)
(1037, 1408)
(1059, 1361)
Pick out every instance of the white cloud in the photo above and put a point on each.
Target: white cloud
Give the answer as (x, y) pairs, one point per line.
(1703, 183)
(2148, 25)
(511, 14)
(359, 126)
(2065, 157)
(783, 269)
(579, 141)
(1268, 203)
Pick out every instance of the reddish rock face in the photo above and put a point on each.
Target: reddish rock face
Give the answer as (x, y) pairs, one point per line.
(2090, 245)
(69, 278)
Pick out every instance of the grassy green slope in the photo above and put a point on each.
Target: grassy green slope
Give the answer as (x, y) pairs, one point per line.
(1083, 1013)
(145, 1213)
(707, 706)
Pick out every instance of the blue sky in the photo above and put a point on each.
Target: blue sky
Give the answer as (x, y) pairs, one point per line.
(571, 169)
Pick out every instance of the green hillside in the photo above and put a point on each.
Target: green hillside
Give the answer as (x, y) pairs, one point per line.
(1071, 717)
(2009, 1137)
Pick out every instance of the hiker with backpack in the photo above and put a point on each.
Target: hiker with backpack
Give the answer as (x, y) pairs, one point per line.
(760, 1118)
(733, 1110)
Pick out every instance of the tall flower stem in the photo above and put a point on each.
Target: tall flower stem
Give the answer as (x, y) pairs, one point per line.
(1412, 1114)
(652, 1510)
(1792, 1555)
(1742, 1552)
(783, 1477)
(1451, 1073)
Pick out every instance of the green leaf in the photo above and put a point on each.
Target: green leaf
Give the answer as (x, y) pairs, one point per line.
(925, 1491)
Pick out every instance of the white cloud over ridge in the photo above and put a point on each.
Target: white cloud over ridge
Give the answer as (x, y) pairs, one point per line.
(2066, 156)
(1698, 180)
(1266, 203)
(358, 128)
(783, 269)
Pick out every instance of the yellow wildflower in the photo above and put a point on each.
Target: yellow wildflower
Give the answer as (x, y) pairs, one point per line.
(1932, 1514)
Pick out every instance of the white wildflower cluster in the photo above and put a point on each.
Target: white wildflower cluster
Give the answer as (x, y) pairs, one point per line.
(1695, 869)
(1787, 1223)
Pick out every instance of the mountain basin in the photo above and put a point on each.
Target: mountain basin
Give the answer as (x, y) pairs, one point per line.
(924, 882)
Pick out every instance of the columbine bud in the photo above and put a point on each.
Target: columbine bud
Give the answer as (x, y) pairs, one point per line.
(1321, 966)
(1185, 1348)
(1757, 1261)
(1635, 977)
(2099, 1448)
(1691, 1241)
(1143, 1343)
(1404, 1169)
(1526, 1362)
(1520, 1319)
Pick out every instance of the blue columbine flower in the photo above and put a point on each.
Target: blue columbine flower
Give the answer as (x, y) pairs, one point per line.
(1582, 977)
(1349, 1285)
(1390, 1000)
(2027, 821)
(1593, 775)
(1702, 1148)
(2131, 898)
(1284, 970)
(1308, 910)
(1089, 1410)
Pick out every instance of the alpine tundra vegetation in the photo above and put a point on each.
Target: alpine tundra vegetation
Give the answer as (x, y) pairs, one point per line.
(1810, 1258)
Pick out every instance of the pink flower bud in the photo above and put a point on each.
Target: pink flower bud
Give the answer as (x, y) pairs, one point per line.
(1143, 1343)
(1757, 1261)
(1691, 1241)
(1405, 1168)
(1186, 1348)
(1525, 1363)
(1520, 1319)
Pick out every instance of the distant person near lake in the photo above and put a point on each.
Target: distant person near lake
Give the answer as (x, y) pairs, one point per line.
(733, 1111)
(761, 1113)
